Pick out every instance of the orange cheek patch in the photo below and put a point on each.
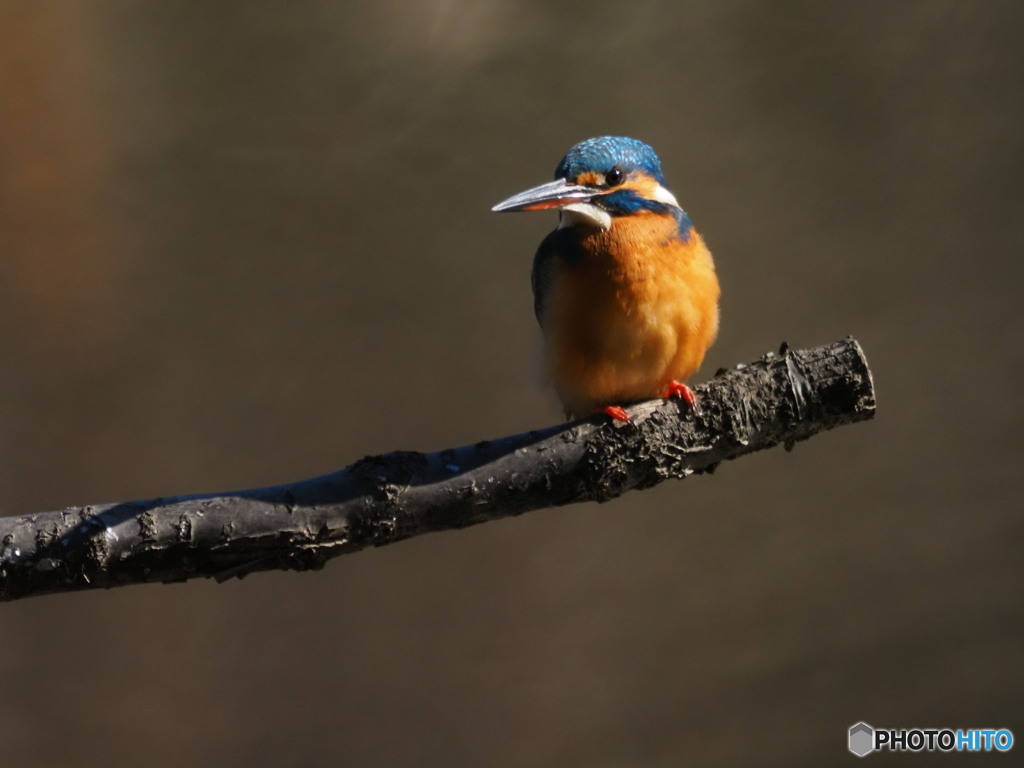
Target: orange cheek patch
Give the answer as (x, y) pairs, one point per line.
(590, 177)
(645, 185)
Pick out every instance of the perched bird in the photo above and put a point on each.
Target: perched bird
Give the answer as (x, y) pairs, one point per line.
(624, 289)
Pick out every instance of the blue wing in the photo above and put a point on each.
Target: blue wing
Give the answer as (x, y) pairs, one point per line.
(560, 248)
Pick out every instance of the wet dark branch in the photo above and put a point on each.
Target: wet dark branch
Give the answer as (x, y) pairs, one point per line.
(779, 399)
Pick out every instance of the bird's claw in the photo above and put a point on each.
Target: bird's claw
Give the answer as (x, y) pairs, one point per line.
(680, 390)
(617, 412)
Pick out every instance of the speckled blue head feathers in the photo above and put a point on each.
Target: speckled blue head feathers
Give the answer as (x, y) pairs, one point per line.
(601, 154)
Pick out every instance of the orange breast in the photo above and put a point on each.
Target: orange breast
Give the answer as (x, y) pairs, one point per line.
(638, 310)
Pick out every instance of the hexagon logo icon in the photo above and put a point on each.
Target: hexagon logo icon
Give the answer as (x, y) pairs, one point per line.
(862, 739)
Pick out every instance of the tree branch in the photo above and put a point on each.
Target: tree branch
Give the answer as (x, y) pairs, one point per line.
(378, 500)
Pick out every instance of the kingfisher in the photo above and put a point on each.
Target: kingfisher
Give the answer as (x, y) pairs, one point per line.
(624, 288)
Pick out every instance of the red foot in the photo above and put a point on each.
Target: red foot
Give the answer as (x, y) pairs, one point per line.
(617, 412)
(679, 389)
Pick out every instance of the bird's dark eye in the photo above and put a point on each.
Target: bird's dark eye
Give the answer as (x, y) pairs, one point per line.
(614, 177)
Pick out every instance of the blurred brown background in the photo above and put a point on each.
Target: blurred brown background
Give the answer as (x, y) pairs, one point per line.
(243, 243)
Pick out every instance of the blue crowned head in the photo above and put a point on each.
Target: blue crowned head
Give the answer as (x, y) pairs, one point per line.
(605, 152)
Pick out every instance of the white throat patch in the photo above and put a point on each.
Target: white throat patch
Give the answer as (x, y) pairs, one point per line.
(584, 213)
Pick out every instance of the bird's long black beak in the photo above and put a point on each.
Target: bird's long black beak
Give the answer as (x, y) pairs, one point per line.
(554, 194)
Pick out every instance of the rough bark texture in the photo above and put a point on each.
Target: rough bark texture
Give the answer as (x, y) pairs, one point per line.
(781, 398)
